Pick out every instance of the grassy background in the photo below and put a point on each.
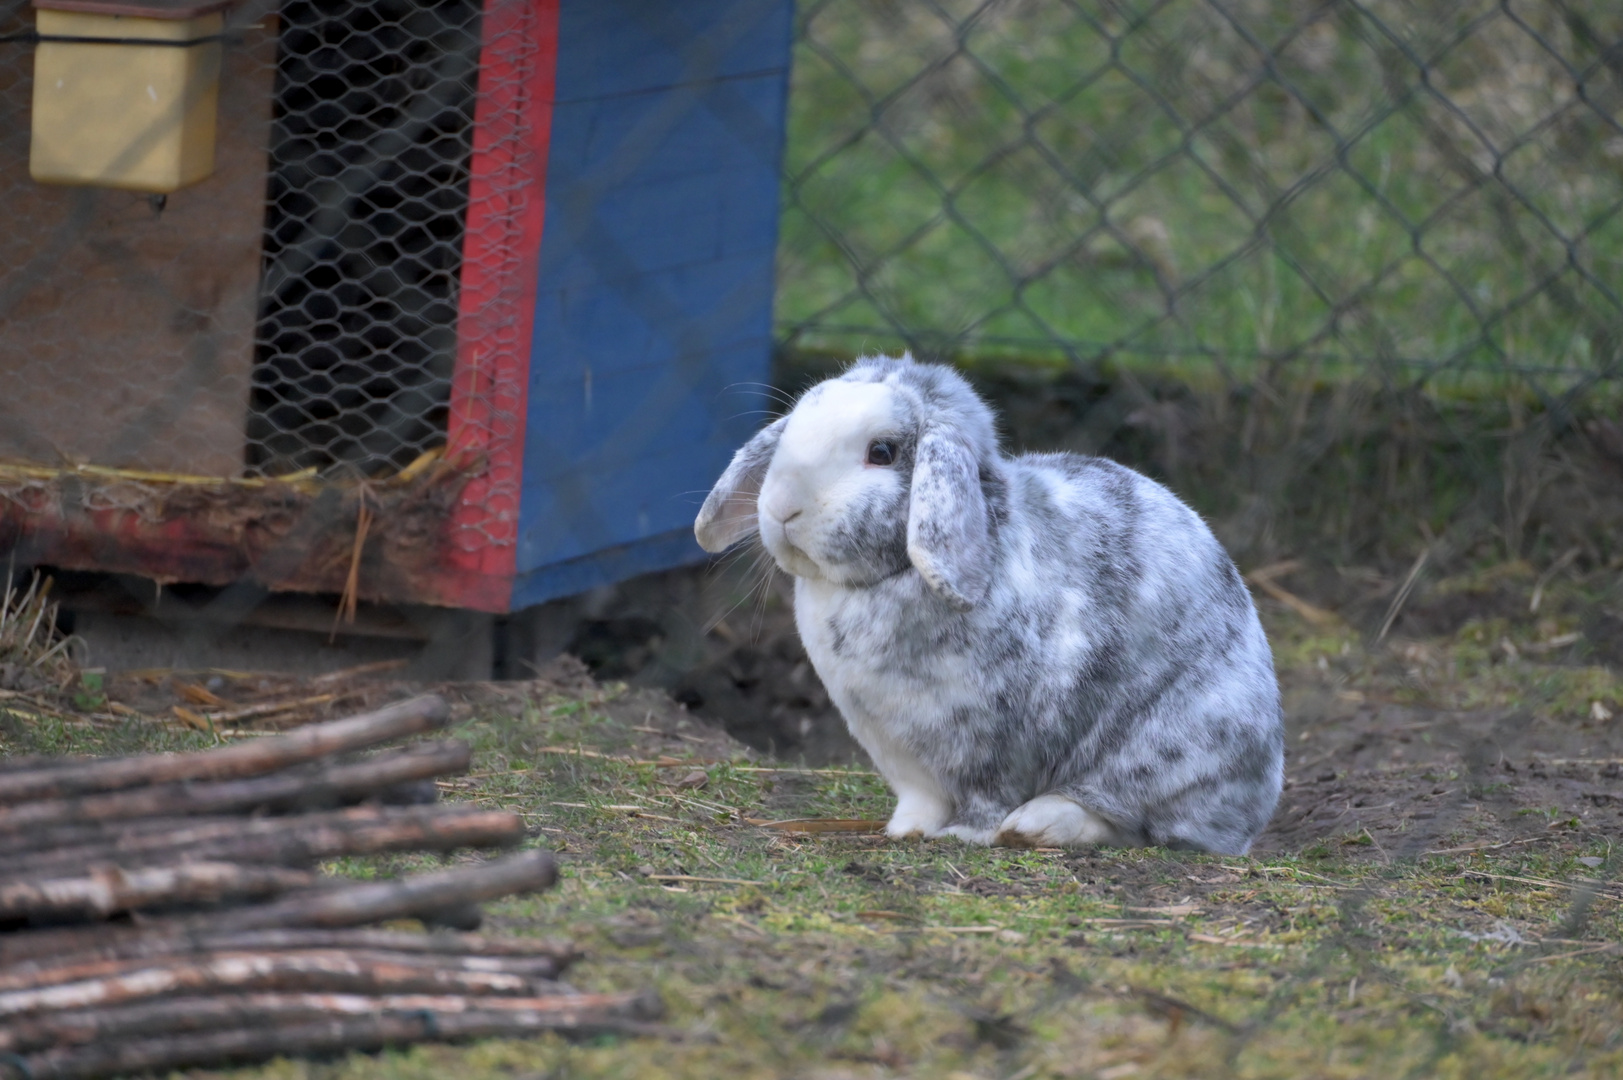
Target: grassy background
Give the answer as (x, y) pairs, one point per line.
(1357, 471)
(1211, 190)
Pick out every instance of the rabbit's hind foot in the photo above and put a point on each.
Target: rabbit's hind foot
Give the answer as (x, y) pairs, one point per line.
(1054, 821)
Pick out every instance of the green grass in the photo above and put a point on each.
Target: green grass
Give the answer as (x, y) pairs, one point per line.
(1099, 181)
(840, 956)
(851, 955)
(832, 961)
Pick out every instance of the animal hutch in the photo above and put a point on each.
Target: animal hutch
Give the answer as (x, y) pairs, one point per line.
(460, 304)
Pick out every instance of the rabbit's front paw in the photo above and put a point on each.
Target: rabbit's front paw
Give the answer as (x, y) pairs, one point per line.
(969, 834)
(1053, 821)
(917, 814)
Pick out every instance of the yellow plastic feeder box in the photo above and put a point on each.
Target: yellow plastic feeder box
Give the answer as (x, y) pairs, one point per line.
(126, 94)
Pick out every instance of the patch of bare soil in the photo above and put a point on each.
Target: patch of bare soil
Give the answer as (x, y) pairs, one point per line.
(1416, 810)
(253, 701)
(721, 642)
(1381, 766)
(1398, 780)
(645, 722)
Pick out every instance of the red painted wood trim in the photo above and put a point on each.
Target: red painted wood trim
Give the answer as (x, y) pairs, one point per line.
(294, 537)
(496, 310)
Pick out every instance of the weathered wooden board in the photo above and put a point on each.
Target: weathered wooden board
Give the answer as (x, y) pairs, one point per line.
(127, 338)
(652, 330)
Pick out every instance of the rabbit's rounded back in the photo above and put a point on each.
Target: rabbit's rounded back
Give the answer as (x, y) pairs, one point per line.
(1001, 631)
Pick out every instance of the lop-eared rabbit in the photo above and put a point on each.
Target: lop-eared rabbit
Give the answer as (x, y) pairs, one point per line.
(1047, 650)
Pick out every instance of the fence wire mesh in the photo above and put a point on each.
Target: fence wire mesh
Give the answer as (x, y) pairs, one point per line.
(322, 309)
(1243, 193)
(295, 314)
(1433, 189)
(366, 210)
(1428, 192)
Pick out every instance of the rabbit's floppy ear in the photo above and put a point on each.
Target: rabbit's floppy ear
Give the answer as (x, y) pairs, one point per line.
(728, 514)
(948, 538)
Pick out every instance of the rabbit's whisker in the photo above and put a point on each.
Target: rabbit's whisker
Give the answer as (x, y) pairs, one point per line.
(758, 577)
(776, 393)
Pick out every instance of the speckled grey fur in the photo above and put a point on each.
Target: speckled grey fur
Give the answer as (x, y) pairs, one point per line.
(998, 629)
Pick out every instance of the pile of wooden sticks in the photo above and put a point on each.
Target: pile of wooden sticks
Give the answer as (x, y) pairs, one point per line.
(166, 910)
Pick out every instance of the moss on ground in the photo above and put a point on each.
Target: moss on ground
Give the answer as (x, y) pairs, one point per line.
(856, 956)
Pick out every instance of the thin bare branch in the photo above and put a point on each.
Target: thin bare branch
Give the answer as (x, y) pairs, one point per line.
(413, 717)
(310, 787)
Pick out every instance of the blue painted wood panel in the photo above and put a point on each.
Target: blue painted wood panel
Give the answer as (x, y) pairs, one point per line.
(653, 312)
(610, 47)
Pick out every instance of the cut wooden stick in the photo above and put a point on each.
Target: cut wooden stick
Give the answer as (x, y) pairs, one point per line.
(705, 880)
(296, 841)
(356, 905)
(173, 1016)
(86, 843)
(357, 1027)
(661, 762)
(54, 837)
(1491, 847)
(1263, 579)
(109, 889)
(79, 971)
(842, 771)
(376, 667)
(137, 944)
(314, 971)
(1233, 943)
(1580, 884)
(413, 717)
(131, 943)
(688, 763)
(1402, 596)
(268, 708)
(561, 952)
(310, 787)
(1274, 570)
(46, 839)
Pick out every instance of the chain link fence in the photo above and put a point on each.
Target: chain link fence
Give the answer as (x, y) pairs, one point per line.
(1428, 189)
(308, 347)
(1432, 193)
(1259, 199)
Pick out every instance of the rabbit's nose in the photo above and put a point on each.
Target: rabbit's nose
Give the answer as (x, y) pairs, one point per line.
(780, 510)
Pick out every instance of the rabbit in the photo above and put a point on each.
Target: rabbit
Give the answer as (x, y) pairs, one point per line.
(1046, 650)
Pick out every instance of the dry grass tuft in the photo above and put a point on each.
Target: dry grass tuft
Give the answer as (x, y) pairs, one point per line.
(34, 654)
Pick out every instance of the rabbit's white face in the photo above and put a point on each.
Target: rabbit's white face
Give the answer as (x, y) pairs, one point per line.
(873, 472)
(833, 503)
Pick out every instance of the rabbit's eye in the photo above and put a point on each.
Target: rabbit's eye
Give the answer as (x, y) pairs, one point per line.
(881, 452)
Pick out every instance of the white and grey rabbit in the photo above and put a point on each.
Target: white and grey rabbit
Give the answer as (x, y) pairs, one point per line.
(1048, 650)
